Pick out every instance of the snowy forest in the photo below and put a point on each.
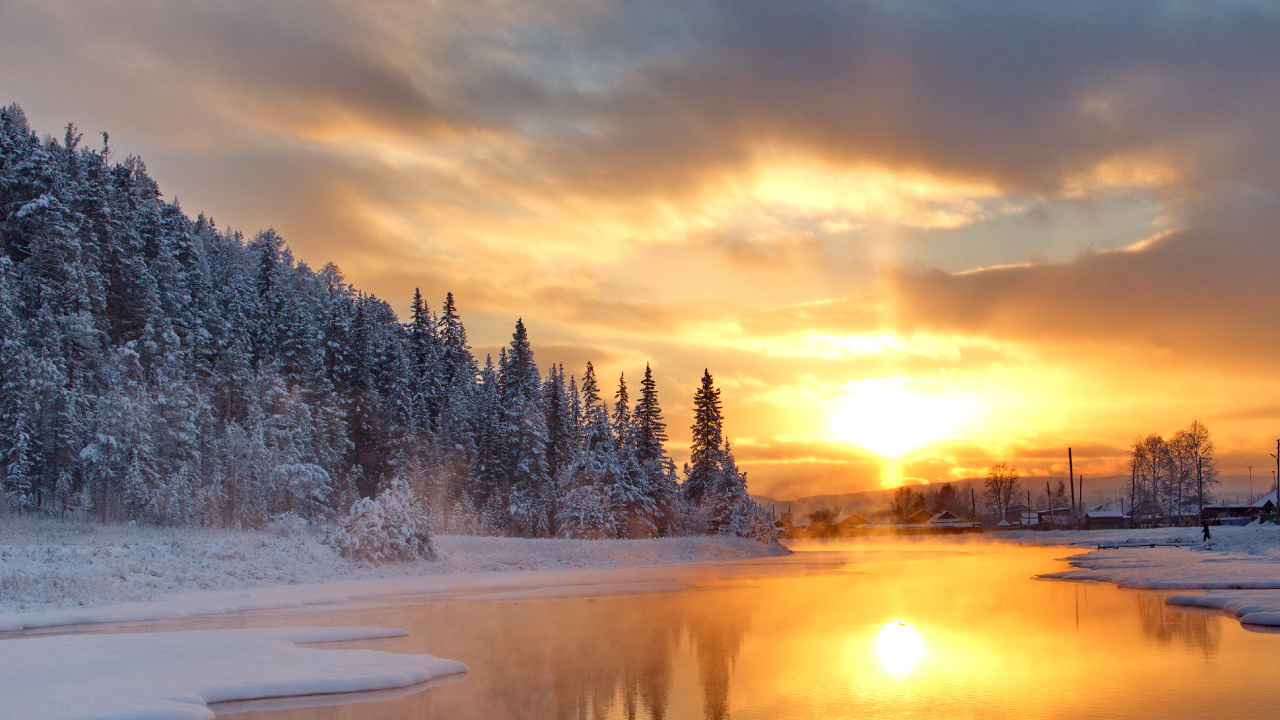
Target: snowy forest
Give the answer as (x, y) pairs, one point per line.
(158, 369)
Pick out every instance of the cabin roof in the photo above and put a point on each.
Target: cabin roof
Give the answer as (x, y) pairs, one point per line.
(1268, 498)
(852, 518)
(945, 516)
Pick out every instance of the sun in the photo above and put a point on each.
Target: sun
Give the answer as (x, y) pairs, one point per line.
(891, 420)
(899, 647)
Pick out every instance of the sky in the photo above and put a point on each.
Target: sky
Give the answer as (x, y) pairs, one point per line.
(908, 239)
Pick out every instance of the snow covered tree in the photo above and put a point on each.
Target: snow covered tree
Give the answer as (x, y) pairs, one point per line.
(622, 414)
(587, 505)
(524, 438)
(708, 437)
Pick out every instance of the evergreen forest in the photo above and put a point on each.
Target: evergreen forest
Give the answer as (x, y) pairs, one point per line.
(158, 369)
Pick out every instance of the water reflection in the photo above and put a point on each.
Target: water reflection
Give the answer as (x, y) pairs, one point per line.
(899, 647)
(1165, 625)
(716, 631)
(587, 659)
(959, 632)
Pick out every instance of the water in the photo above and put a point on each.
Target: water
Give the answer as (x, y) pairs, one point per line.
(910, 631)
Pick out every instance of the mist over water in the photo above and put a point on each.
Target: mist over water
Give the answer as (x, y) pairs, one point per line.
(909, 629)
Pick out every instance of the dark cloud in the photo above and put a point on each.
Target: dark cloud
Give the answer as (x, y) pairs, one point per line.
(1199, 296)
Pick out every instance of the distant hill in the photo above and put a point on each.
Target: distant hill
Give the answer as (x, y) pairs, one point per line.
(859, 502)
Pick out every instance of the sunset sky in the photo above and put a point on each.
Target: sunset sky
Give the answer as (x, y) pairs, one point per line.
(909, 239)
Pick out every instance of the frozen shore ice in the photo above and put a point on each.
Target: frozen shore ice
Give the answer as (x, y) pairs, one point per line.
(1238, 569)
(177, 675)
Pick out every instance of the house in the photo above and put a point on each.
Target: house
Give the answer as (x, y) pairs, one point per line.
(796, 527)
(946, 517)
(1104, 518)
(1265, 505)
(918, 517)
(1059, 517)
(1146, 514)
(1215, 514)
(849, 523)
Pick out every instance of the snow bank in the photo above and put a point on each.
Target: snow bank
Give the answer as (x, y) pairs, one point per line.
(176, 675)
(54, 573)
(1239, 566)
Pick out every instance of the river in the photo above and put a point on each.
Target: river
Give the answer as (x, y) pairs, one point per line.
(905, 630)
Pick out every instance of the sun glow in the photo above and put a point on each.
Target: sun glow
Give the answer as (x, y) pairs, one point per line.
(891, 420)
(899, 647)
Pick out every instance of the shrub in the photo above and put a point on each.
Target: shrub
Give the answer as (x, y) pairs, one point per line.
(395, 526)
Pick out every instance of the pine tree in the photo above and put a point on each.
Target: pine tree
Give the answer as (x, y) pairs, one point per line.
(590, 393)
(650, 430)
(427, 387)
(489, 488)
(525, 440)
(622, 414)
(705, 451)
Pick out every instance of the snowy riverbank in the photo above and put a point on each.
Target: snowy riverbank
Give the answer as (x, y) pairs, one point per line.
(55, 574)
(47, 565)
(1238, 569)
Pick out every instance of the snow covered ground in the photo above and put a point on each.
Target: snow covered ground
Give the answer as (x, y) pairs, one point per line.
(71, 571)
(1239, 568)
(56, 574)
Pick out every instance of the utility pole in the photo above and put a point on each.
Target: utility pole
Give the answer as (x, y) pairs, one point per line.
(973, 498)
(1250, 484)
(1133, 486)
(1071, 477)
(1276, 455)
(1050, 494)
(1082, 510)
(1028, 508)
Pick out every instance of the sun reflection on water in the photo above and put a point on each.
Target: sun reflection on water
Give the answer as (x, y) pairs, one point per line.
(899, 647)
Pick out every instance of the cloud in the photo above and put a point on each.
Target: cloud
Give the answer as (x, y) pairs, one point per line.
(1067, 209)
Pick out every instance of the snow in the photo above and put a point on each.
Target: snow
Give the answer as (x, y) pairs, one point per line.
(176, 675)
(1238, 568)
(54, 573)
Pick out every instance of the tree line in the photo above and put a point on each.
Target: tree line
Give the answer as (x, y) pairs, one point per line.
(157, 368)
(1172, 479)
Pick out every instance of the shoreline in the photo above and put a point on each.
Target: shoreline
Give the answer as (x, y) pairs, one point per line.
(61, 574)
(1237, 572)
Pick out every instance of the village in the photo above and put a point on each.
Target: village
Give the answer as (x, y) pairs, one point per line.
(833, 523)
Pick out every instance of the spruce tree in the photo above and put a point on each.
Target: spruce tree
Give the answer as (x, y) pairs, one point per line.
(525, 440)
(705, 450)
(650, 430)
(622, 414)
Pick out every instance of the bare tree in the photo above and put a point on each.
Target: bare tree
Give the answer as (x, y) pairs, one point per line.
(905, 503)
(1199, 449)
(1153, 467)
(1002, 486)
(1182, 478)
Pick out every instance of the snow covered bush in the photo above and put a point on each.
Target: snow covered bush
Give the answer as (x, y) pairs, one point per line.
(395, 526)
(288, 524)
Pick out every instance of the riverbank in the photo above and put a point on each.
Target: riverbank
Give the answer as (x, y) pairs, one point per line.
(48, 566)
(1238, 569)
